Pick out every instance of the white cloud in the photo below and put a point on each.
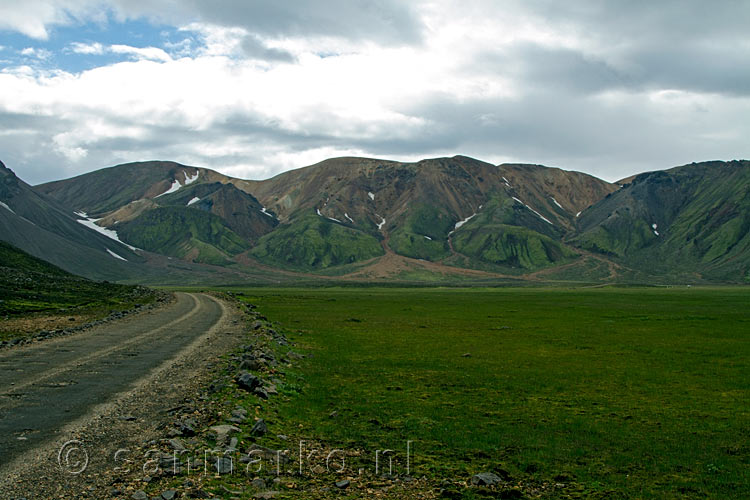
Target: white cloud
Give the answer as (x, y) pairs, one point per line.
(252, 92)
(148, 53)
(87, 48)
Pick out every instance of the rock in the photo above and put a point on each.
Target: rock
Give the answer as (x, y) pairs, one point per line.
(223, 432)
(256, 451)
(176, 444)
(271, 390)
(333, 414)
(127, 418)
(250, 364)
(168, 495)
(170, 464)
(258, 484)
(266, 495)
(294, 355)
(485, 479)
(187, 428)
(260, 428)
(239, 415)
(224, 465)
(467, 355)
(232, 445)
(261, 393)
(248, 381)
(139, 495)
(342, 485)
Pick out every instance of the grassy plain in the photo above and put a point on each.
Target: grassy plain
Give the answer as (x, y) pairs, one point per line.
(598, 393)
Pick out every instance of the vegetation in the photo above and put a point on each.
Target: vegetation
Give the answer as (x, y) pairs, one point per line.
(312, 242)
(676, 222)
(192, 234)
(502, 235)
(608, 393)
(424, 234)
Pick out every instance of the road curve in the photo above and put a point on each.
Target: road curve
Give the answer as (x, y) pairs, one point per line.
(48, 385)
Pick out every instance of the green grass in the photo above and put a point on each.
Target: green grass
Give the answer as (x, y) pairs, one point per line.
(618, 393)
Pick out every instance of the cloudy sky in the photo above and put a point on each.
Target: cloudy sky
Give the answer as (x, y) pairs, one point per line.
(252, 88)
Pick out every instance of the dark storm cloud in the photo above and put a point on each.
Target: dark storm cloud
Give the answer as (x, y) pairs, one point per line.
(611, 140)
(689, 45)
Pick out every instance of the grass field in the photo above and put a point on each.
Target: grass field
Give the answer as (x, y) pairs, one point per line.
(606, 393)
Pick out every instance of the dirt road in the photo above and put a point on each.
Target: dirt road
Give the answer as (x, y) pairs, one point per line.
(48, 386)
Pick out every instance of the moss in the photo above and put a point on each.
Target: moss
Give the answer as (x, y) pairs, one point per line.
(312, 242)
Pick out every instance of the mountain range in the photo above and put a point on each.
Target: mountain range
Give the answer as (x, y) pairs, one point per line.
(443, 220)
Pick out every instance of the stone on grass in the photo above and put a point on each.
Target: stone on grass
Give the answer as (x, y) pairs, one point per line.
(485, 479)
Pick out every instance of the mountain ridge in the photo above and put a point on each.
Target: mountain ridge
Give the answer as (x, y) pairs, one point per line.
(446, 217)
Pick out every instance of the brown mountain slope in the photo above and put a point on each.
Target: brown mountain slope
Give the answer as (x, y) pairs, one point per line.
(367, 190)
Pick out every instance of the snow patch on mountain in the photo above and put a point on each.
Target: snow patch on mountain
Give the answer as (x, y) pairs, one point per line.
(109, 233)
(6, 207)
(113, 254)
(537, 213)
(264, 212)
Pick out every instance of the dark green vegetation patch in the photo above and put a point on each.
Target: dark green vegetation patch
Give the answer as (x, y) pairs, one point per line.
(317, 243)
(190, 234)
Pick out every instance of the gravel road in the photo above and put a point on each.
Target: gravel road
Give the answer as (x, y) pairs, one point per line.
(50, 386)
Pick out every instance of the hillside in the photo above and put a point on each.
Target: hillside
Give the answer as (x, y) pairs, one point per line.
(48, 230)
(36, 295)
(689, 220)
(168, 208)
(418, 209)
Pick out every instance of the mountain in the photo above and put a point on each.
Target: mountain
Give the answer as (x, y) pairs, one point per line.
(48, 230)
(171, 209)
(692, 220)
(20, 261)
(422, 210)
(436, 220)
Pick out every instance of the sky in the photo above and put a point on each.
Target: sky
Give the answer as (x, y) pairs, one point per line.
(253, 88)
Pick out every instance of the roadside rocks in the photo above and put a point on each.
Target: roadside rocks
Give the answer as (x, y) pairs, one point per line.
(239, 416)
(223, 433)
(248, 381)
(259, 429)
(255, 385)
